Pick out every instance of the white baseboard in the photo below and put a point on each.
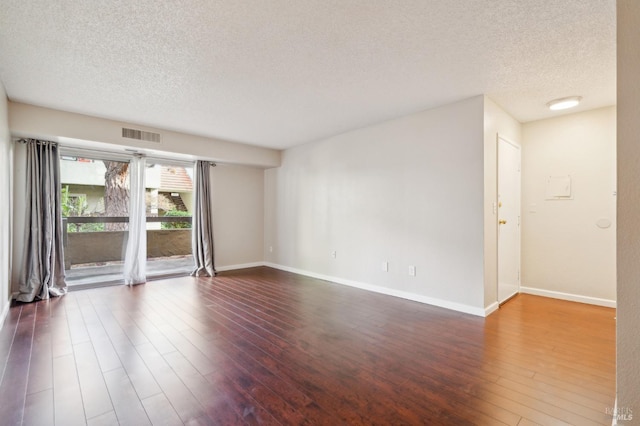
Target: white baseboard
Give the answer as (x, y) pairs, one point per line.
(239, 266)
(481, 312)
(568, 296)
(5, 312)
(491, 309)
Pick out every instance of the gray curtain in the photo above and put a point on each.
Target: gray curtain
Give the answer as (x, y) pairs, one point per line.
(202, 233)
(43, 269)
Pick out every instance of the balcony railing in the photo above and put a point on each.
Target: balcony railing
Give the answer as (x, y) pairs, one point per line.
(108, 246)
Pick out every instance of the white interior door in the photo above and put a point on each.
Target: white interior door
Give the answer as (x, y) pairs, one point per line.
(508, 219)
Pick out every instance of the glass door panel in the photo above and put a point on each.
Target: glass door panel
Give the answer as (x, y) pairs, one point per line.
(169, 203)
(95, 210)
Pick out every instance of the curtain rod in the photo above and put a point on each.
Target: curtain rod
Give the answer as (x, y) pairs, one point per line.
(119, 155)
(25, 140)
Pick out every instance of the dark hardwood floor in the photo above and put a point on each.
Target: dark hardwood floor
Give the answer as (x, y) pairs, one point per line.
(261, 346)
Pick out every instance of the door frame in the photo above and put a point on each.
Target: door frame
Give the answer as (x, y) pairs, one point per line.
(497, 218)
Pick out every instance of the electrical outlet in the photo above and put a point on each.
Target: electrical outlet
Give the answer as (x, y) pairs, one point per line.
(385, 266)
(334, 254)
(412, 270)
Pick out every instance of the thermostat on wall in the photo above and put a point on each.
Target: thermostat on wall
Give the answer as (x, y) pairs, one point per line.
(559, 188)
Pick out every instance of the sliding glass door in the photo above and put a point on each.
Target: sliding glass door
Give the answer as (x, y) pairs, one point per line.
(96, 211)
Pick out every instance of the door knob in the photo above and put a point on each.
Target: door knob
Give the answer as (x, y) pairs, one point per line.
(502, 222)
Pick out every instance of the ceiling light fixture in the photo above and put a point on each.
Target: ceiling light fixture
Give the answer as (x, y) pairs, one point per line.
(564, 103)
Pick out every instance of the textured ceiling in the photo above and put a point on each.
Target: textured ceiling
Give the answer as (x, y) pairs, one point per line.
(278, 73)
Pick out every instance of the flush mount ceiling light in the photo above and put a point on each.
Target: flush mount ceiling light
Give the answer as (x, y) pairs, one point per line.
(564, 103)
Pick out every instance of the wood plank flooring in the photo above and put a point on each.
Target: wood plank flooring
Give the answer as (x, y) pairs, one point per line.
(261, 346)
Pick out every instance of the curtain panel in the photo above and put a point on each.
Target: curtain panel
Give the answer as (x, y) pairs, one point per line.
(135, 259)
(42, 273)
(202, 232)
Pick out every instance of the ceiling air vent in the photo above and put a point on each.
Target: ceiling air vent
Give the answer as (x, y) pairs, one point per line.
(140, 135)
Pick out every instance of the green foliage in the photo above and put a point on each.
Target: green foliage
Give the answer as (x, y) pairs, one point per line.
(176, 225)
(76, 205)
(89, 227)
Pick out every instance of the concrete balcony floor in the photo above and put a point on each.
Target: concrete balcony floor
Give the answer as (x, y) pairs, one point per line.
(93, 275)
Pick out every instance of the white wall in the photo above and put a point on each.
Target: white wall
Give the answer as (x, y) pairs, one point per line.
(36, 122)
(407, 191)
(628, 244)
(496, 122)
(563, 251)
(238, 215)
(6, 161)
(92, 173)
